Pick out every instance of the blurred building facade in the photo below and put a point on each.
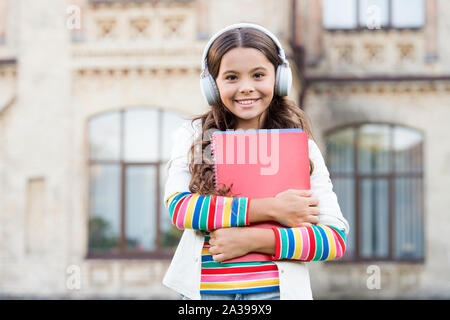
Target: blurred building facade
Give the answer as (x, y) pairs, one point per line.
(92, 89)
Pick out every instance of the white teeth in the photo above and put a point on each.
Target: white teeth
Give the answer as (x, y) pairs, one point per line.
(246, 101)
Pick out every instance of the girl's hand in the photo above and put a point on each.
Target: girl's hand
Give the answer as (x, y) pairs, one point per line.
(228, 243)
(296, 208)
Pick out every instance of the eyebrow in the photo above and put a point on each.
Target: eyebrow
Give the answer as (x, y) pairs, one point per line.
(254, 69)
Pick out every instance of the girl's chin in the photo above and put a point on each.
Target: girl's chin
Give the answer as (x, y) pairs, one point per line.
(247, 114)
(247, 117)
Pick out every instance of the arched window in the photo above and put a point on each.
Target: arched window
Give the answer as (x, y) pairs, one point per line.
(377, 172)
(128, 150)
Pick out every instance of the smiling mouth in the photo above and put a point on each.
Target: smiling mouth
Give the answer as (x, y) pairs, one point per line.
(246, 102)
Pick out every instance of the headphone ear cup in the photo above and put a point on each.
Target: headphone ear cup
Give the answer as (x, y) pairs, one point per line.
(210, 90)
(283, 80)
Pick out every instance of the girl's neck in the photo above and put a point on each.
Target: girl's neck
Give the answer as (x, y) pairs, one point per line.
(245, 128)
(254, 124)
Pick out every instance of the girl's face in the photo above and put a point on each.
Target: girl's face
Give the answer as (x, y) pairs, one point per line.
(246, 83)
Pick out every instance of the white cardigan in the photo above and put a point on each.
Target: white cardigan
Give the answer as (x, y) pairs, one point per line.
(184, 271)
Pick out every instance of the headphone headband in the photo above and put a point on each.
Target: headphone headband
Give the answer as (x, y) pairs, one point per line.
(281, 53)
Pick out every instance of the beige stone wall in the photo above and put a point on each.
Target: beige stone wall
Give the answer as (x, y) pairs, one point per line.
(36, 153)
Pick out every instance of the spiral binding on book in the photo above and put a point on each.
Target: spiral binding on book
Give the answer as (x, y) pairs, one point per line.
(213, 152)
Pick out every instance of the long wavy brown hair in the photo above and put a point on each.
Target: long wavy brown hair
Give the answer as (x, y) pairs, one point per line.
(281, 113)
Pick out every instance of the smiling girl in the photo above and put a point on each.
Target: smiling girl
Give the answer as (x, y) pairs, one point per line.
(245, 80)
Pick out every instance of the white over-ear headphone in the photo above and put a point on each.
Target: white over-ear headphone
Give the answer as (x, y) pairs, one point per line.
(283, 78)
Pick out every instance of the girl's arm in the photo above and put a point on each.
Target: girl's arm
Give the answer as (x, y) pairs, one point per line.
(194, 211)
(309, 243)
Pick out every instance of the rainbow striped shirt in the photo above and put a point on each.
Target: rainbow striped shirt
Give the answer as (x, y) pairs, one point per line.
(193, 211)
(240, 277)
(314, 243)
(207, 213)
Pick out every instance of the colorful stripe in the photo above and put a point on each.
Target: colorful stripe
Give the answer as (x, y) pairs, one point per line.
(196, 214)
(182, 210)
(298, 241)
(239, 277)
(218, 223)
(174, 202)
(212, 213)
(312, 243)
(238, 284)
(190, 211)
(194, 211)
(304, 249)
(204, 214)
(227, 210)
(330, 245)
(321, 247)
(248, 290)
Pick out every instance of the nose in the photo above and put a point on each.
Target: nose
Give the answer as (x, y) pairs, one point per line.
(246, 86)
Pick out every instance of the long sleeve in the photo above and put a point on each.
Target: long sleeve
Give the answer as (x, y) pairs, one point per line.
(313, 243)
(194, 211)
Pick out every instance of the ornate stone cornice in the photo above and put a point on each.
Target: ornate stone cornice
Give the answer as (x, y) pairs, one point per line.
(381, 88)
(98, 4)
(132, 72)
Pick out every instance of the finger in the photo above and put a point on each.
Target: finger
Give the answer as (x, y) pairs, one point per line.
(302, 193)
(313, 201)
(219, 257)
(314, 210)
(305, 224)
(313, 219)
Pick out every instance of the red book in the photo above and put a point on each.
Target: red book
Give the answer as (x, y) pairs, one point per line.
(261, 164)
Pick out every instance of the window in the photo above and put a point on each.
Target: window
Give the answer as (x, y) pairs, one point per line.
(128, 151)
(373, 14)
(377, 172)
(339, 14)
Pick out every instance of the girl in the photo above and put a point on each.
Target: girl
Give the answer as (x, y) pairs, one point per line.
(245, 78)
